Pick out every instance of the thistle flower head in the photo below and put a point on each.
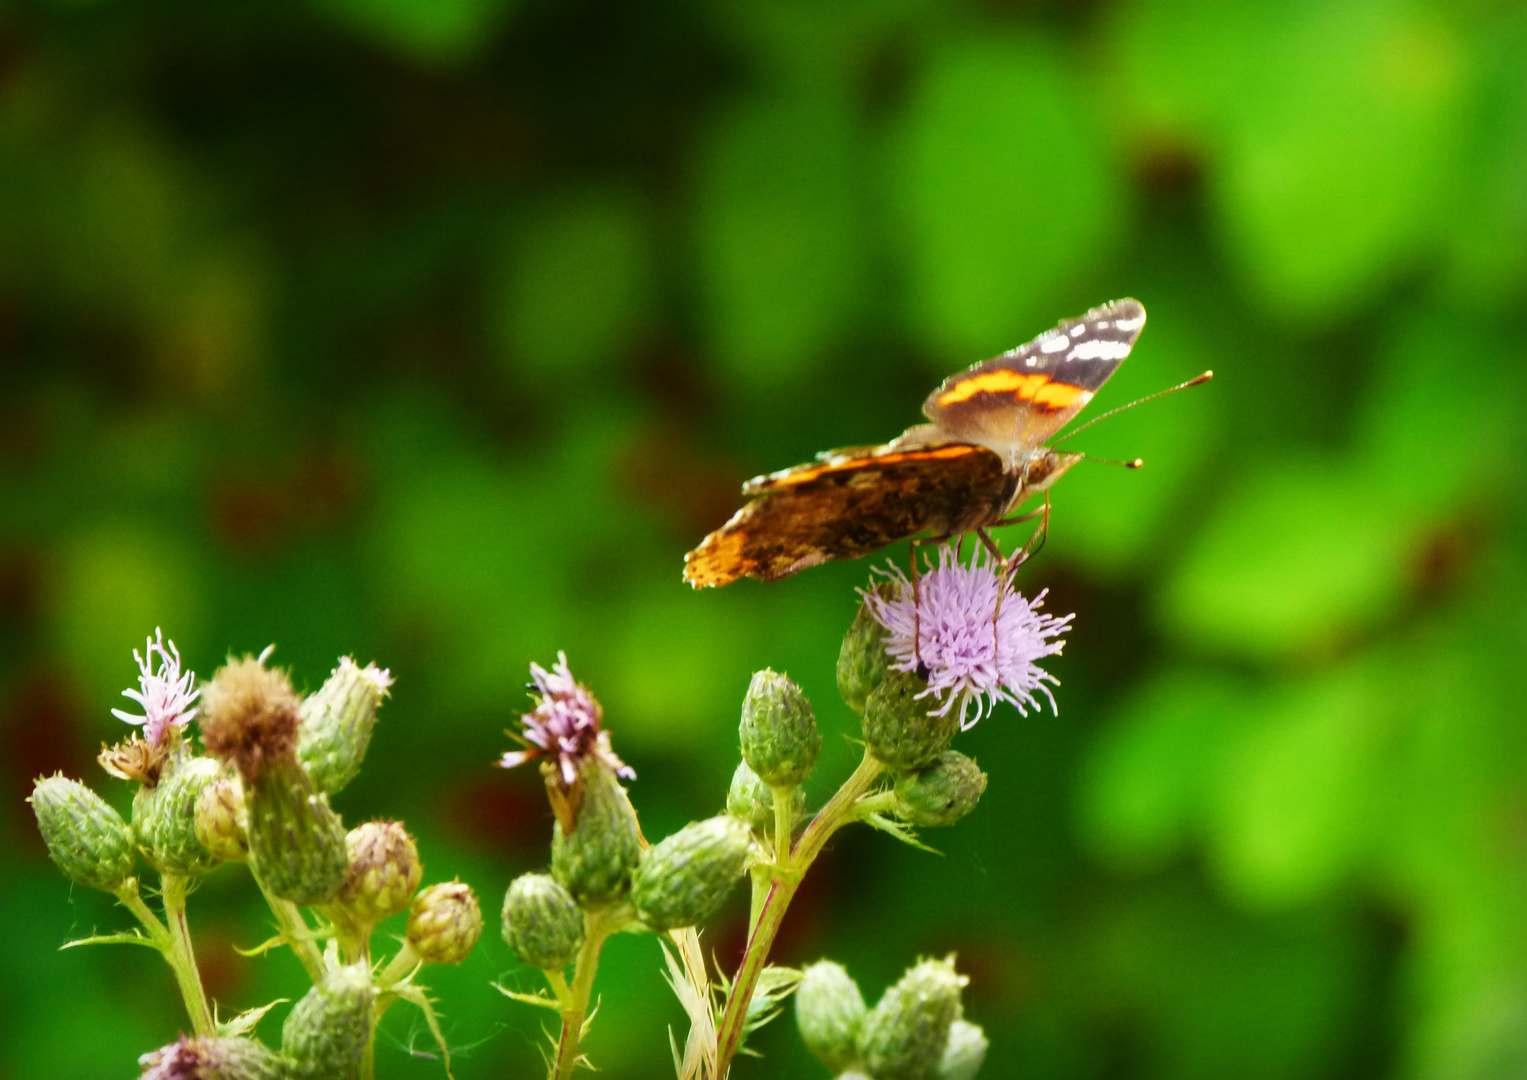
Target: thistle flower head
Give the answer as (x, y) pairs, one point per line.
(974, 653)
(164, 693)
(565, 729)
(211, 1058)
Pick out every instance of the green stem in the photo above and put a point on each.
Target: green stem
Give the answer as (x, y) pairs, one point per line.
(130, 898)
(771, 913)
(354, 938)
(181, 958)
(296, 932)
(784, 823)
(762, 876)
(596, 927)
(397, 969)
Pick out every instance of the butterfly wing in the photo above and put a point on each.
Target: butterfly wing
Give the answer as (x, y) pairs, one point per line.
(846, 507)
(1014, 402)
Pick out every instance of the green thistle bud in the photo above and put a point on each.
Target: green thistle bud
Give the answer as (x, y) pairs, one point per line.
(296, 843)
(212, 1058)
(780, 740)
(862, 661)
(86, 838)
(898, 727)
(829, 1010)
(905, 1034)
(683, 880)
(444, 922)
(337, 722)
(384, 872)
(327, 1031)
(543, 924)
(164, 818)
(595, 860)
(750, 800)
(220, 819)
(940, 793)
(965, 1053)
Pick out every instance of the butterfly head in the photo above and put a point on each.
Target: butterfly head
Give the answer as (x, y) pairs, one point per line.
(1043, 467)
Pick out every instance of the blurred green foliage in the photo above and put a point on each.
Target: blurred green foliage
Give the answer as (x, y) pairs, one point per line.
(435, 331)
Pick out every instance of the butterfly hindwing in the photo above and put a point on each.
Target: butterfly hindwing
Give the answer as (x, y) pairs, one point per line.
(843, 508)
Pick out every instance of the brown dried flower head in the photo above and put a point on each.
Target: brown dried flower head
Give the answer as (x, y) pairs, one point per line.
(249, 715)
(135, 759)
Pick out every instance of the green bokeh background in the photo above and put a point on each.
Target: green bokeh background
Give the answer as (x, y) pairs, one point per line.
(435, 331)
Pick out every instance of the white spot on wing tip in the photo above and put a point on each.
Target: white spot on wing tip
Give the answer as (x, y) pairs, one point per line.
(1053, 342)
(1100, 349)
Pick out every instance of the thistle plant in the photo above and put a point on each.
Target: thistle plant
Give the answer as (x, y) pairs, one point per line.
(918, 664)
(258, 796)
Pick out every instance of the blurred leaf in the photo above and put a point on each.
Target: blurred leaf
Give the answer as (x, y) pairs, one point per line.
(1330, 178)
(578, 286)
(1298, 797)
(1295, 559)
(1400, 420)
(474, 575)
(780, 234)
(677, 657)
(118, 581)
(430, 30)
(1181, 65)
(1006, 192)
(1147, 785)
(1486, 263)
(1111, 518)
(1221, 996)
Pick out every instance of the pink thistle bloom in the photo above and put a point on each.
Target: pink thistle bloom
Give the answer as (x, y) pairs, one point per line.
(564, 726)
(165, 694)
(972, 653)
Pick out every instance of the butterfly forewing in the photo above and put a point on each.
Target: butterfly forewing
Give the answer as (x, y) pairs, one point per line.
(1014, 402)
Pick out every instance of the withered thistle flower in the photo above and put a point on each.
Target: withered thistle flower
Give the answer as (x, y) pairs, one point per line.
(564, 729)
(135, 759)
(296, 842)
(212, 1058)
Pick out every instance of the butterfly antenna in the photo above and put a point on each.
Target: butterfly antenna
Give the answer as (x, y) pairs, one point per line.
(1205, 377)
(1137, 463)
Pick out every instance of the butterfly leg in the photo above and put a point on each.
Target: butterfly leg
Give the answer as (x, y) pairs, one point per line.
(1035, 542)
(917, 601)
(1002, 579)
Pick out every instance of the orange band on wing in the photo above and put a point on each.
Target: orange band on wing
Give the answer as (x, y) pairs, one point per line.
(1001, 381)
(1041, 389)
(1056, 396)
(939, 453)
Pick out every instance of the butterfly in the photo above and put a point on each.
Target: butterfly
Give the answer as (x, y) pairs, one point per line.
(982, 454)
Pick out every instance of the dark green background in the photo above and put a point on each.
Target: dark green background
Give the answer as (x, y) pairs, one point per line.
(435, 332)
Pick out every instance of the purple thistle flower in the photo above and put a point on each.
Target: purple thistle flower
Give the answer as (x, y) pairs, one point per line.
(165, 694)
(564, 727)
(972, 653)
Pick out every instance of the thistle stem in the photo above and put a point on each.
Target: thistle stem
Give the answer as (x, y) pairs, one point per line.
(179, 955)
(789, 869)
(295, 930)
(164, 940)
(596, 927)
(784, 822)
(397, 969)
